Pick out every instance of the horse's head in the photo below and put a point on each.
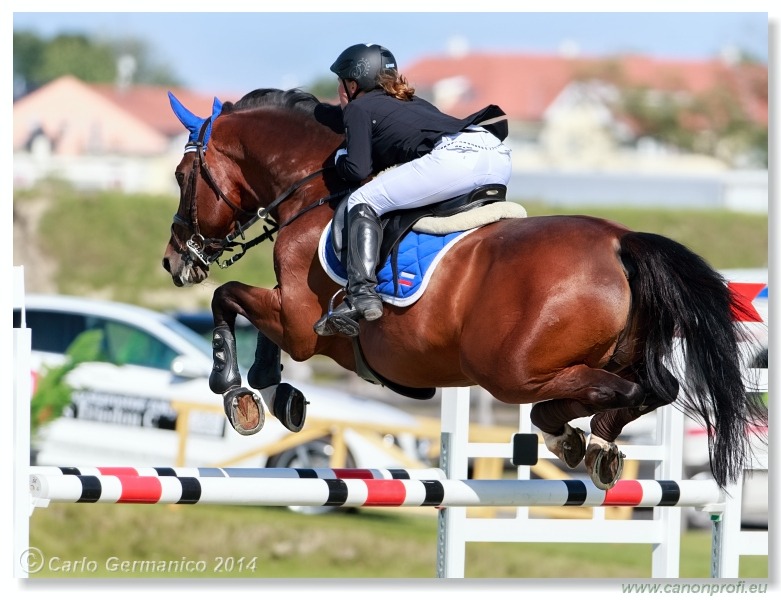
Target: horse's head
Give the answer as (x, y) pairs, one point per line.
(188, 238)
(248, 171)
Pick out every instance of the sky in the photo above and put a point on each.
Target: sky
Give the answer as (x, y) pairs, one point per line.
(235, 52)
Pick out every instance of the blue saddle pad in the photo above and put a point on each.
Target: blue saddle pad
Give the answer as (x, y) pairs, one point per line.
(419, 254)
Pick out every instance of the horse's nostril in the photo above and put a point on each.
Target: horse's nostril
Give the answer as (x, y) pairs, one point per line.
(166, 265)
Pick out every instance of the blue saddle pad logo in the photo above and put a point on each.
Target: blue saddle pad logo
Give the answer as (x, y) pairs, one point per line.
(418, 256)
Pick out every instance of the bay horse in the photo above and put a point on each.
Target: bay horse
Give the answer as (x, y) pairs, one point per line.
(576, 314)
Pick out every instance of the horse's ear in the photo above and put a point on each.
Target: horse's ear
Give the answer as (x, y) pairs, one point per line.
(191, 121)
(216, 107)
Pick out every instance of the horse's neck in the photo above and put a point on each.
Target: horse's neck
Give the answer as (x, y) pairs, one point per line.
(296, 246)
(270, 166)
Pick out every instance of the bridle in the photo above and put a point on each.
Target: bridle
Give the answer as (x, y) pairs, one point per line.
(209, 250)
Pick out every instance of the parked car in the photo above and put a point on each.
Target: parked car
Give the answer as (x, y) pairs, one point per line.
(121, 409)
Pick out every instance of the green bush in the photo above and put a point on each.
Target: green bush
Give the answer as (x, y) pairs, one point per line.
(53, 393)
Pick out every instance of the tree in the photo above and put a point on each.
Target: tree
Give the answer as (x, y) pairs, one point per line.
(147, 69)
(324, 89)
(78, 56)
(714, 122)
(38, 61)
(28, 55)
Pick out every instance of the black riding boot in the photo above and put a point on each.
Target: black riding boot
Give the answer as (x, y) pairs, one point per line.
(364, 235)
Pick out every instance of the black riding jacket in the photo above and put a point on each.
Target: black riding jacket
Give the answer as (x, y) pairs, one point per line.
(382, 131)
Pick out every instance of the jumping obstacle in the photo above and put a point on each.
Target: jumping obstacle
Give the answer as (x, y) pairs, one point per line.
(662, 531)
(251, 472)
(313, 491)
(22, 390)
(448, 490)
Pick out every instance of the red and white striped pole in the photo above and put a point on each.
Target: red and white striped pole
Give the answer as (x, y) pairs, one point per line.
(147, 489)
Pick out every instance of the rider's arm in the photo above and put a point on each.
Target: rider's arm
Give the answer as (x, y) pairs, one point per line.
(330, 115)
(356, 165)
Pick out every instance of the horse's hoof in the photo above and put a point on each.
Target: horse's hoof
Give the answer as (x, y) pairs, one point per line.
(244, 410)
(289, 406)
(604, 463)
(570, 446)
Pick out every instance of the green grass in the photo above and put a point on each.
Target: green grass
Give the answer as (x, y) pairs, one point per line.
(357, 545)
(111, 244)
(727, 240)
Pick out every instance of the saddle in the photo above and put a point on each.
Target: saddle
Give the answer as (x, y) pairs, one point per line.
(396, 224)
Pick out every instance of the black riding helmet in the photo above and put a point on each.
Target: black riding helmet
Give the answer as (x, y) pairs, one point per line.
(363, 63)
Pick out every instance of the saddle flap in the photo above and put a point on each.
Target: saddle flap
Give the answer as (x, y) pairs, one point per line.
(339, 229)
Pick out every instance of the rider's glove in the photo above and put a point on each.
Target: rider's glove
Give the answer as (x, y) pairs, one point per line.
(339, 152)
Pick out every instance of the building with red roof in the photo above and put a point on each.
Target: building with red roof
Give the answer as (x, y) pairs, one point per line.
(100, 135)
(544, 95)
(567, 114)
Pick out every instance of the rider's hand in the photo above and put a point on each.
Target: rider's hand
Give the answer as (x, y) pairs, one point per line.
(339, 152)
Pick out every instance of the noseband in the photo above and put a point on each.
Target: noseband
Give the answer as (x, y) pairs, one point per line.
(208, 250)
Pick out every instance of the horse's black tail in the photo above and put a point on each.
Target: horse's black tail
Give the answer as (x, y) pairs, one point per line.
(679, 294)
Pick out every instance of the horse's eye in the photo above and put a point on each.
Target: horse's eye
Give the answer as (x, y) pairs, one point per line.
(180, 177)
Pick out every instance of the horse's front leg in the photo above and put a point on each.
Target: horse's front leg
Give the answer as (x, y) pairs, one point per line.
(242, 406)
(284, 401)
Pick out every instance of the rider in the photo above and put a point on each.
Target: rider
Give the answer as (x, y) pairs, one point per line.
(438, 157)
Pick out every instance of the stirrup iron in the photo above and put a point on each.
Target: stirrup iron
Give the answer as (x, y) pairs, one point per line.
(322, 326)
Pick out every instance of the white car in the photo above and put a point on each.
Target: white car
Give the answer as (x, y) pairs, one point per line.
(121, 409)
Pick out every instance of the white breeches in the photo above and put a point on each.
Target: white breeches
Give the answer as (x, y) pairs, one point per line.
(456, 165)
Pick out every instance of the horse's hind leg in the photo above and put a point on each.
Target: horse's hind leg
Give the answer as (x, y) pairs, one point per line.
(603, 460)
(582, 391)
(552, 418)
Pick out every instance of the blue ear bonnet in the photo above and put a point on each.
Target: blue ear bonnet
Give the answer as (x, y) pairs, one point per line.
(193, 123)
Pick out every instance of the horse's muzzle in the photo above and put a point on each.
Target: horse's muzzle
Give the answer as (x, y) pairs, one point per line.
(184, 271)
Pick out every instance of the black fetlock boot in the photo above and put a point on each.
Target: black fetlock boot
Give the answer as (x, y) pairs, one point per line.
(364, 234)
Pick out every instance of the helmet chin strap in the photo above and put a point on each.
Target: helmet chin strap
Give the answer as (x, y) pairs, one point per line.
(350, 98)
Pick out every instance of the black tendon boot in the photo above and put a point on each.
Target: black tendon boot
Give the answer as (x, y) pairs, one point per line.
(364, 234)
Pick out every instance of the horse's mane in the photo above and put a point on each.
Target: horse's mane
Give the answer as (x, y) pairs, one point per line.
(294, 99)
(300, 102)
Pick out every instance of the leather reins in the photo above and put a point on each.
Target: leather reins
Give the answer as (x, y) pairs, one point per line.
(208, 250)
